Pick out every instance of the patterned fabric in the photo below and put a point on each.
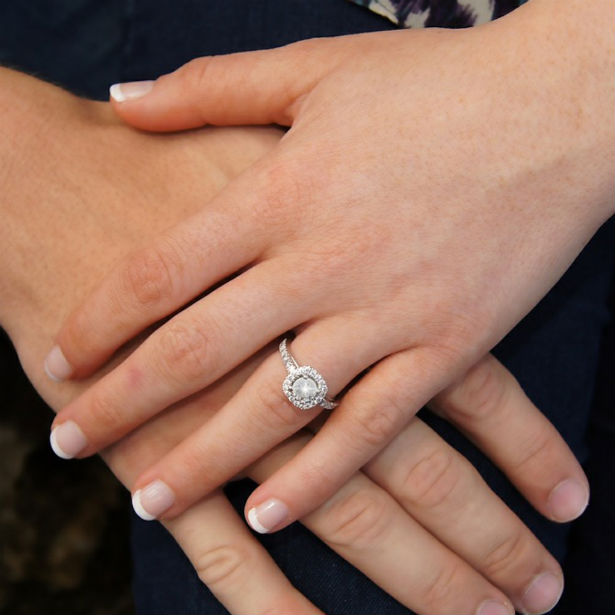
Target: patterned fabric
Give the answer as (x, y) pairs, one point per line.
(440, 13)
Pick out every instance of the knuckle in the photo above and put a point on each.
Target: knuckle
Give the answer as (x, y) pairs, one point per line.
(183, 352)
(106, 414)
(536, 448)
(199, 469)
(375, 426)
(442, 591)
(275, 412)
(315, 477)
(196, 76)
(223, 566)
(431, 481)
(146, 277)
(482, 392)
(506, 556)
(282, 190)
(358, 521)
(78, 337)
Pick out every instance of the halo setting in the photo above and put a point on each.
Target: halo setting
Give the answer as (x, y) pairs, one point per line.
(305, 387)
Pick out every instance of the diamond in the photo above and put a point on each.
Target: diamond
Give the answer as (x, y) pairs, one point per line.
(305, 388)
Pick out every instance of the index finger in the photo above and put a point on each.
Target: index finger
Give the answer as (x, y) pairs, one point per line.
(155, 281)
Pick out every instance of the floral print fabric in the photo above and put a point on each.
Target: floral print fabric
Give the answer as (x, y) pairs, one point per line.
(439, 13)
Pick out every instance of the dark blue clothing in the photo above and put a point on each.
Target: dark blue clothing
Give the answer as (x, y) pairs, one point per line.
(85, 45)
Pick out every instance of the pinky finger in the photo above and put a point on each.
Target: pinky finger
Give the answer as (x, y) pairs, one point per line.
(487, 403)
(232, 563)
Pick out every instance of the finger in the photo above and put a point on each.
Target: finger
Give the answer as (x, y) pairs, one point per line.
(256, 419)
(488, 402)
(155, 281)
(185, 355)
(258, 87)
(447, 496)
(369, 416)
(225, 555)
(235, 567)
(369, 529)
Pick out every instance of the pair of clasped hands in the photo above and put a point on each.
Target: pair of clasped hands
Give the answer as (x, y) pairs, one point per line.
(396, 249)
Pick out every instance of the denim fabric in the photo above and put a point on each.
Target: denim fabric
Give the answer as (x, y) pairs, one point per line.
(85, 45)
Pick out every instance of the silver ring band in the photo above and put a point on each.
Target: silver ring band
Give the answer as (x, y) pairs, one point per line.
(304, 387)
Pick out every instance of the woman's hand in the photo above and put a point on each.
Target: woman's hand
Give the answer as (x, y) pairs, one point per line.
(432, 187)
(71, 172)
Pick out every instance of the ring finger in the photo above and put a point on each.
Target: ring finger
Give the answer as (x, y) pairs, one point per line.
(183, 356)
(256, 419)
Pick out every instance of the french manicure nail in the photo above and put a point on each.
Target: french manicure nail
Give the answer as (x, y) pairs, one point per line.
(121, 92)
(542, 594)
(493, 607)
(152, 500)
(568, 500)
(266, 516)
(67, 440)
(56, 365)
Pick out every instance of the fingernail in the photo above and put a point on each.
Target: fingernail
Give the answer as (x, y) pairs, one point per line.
(542, 594)
(493, 607)
(266, 516)
(151, 501)
(131, 90)
(56, 365)
(568, 500)
(67, 440)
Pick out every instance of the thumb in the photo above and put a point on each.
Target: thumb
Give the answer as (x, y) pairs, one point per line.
(257, 87)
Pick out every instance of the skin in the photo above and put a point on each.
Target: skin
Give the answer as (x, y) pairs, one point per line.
(418, 227)
(417, 507)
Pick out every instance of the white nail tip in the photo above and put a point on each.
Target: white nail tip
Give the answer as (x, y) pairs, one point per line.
(55, 447)
(51, 375)
(138, 507)
(115, 91)
(254, 524)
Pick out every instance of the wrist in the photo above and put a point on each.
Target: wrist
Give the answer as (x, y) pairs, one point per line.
(560, 54)
(40, 127)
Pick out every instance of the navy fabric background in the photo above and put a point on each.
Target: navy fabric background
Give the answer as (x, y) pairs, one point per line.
(85, 45)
